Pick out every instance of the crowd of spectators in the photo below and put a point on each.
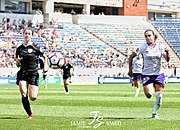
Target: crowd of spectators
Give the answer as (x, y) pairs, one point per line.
(80, 57)
(86, 58)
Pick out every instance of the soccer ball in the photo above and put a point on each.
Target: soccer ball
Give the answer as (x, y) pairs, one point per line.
(55, 60)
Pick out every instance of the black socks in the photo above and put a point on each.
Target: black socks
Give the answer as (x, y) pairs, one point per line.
(66, 88)
(26, 105)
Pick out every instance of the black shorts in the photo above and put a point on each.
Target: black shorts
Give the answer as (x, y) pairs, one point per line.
(41, 63)
(32, 77)
(66, 76)
(44, 74)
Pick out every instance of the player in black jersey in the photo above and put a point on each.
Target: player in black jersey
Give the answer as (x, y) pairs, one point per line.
(41, 62)
(27, 77)
(66, 68)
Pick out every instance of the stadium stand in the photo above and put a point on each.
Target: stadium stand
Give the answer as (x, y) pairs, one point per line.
(120, 36)
(169, 29)
(89, 44)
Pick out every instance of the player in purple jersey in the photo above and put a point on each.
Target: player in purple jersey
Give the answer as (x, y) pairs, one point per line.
(27, 77)
(152, 75)
(137, 73)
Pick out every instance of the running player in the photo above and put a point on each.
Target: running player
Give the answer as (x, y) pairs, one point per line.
(137, 73)
(27, 77)
(152, 75)
(68, 70)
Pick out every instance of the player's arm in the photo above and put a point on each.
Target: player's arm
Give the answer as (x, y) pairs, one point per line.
(130, 73)
(72, 70)
(61, 71)
(18, 61)
(166, 54)
(18, 58)
(45, 58)
(45, 69)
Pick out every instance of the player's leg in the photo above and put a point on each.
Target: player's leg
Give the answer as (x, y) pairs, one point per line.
(148, 86)
(158, 101)
(149, 90)
(70, 79)
(33, 78)
(24, 93)
(33, 85)
(45, 79)
(66, 83)
(137, 85)
(159, 88)
(137, 82)
(23, 87)
(33, 92)
(133, 86)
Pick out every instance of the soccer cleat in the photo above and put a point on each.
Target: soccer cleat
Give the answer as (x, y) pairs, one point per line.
(30, 117)
(67, 93)
(132, 85)
(45, 87)
(136, 95)
(155, 116)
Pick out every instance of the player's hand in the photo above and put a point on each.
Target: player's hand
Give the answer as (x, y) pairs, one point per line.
(166, 54)
(19, 58)
(130, 73)
(166, 49)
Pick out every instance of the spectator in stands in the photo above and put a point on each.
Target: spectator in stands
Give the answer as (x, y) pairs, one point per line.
(152, 74)
(39, 12)
(8, 24)
(27, 77)
(19, 23)
(83, 11)
(92, 13)
(55, 34)
(128, 41)
(73, 12)
(4, 20)
(39, 32)
(15, 25)
(29, 23)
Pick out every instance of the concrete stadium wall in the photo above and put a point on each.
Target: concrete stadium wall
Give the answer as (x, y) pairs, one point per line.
(26, 17)
(110, 19)
(58, 17)
(6, 72)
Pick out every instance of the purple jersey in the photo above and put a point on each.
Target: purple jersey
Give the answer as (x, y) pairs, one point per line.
(137, 65)
(152, 57)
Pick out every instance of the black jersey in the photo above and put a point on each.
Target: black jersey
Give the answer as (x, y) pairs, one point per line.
(30, 55)
(41, 63)
(66, 69)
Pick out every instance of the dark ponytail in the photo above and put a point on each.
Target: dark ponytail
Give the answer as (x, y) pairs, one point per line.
(155, 35)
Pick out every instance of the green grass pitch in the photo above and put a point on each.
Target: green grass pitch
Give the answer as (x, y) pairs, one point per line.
(106, 107)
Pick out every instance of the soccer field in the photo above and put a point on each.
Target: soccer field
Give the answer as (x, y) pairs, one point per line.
(111, 107)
